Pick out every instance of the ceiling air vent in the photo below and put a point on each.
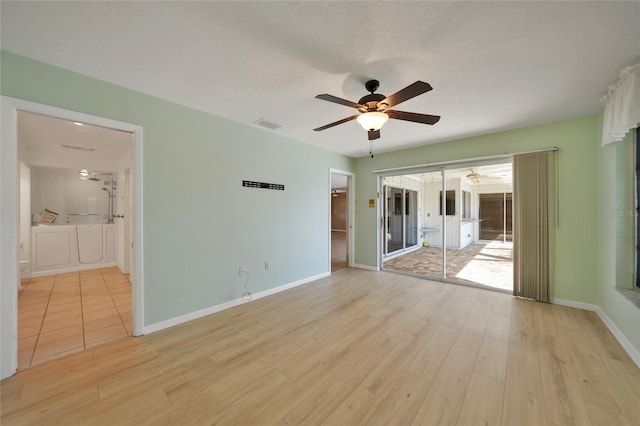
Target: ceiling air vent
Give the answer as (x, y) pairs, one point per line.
(268, 124)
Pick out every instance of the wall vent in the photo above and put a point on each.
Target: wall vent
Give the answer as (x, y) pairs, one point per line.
(268, 124)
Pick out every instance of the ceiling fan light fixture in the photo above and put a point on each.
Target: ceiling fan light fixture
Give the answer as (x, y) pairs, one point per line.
(372, 120)
(84, 173)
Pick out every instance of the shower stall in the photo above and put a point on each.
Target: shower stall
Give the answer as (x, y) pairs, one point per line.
(110, 189)
(84, 236)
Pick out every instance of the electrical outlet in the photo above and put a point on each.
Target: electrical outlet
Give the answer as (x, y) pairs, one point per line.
(267, 265)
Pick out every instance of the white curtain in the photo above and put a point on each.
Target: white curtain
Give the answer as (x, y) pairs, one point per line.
(622, 106)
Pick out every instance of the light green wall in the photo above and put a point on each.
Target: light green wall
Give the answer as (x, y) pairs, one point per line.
(616, 230)
(576, 235)
(200, 225)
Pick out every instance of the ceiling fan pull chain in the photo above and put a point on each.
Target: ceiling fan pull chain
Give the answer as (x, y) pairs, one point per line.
(371, 148)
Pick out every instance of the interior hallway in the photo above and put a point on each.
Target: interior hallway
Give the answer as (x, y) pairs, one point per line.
(59, 315)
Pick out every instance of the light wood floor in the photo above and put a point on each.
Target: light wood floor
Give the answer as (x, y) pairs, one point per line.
(338, 250)
(67, 313)
(358, 347)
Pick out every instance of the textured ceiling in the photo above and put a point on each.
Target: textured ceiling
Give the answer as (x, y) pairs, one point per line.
(493, 65)
(53, 142)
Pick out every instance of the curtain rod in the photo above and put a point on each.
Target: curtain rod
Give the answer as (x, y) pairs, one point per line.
(465, 160)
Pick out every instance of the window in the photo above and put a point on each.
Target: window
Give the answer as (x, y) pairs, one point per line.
(451, 203)
(466, 205)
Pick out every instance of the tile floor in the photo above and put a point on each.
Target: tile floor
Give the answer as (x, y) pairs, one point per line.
(62, 314)
(488, 264)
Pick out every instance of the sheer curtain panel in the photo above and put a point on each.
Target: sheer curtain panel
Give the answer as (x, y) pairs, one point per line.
(622, 106)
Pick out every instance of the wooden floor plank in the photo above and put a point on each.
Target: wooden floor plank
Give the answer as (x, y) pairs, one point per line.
(403, 402)
(442, 405)
(523, 402)
(483, 402)
(358, 347)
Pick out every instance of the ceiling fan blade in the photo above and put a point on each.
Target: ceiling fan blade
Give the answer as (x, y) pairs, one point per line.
(335, 123)
(336, 100)
(413, 116)
(411, 91)
(374, 134)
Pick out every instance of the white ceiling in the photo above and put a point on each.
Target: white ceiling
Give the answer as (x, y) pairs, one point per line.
(53, 142)
(493, 65)
(487, 174)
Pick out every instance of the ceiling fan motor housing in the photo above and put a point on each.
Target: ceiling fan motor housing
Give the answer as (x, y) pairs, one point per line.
(371, 102)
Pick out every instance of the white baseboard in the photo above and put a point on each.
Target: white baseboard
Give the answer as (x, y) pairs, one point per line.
(77, 268)
(367, 267)
(574, 304)
(613, 328)
(152, 328)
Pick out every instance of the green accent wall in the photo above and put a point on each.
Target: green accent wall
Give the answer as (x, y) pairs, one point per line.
(200, 224)
(616, 232)
(593, 242)
(576, 244)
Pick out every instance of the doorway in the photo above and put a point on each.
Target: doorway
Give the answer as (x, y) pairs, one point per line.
(340, 220)
(496, 216)
(10, 219)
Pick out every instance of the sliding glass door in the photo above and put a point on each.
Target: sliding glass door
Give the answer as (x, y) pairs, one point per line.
(400, 219)
(453, 224)
(410, 218)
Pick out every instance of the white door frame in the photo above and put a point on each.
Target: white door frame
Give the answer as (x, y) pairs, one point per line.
(351, 200)
(9, 220)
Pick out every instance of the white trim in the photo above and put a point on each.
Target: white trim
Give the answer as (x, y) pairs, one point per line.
(137, 226)
(380, 227)
(574, 304)
(365, 267)
(613, 328)
(172, 322)
(9, 219)
(459, 163)
(72, 269)
(9, 259)
(620, 337)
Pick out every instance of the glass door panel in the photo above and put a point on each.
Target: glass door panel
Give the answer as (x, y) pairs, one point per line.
(463, 226)
(400, 219)
(508, 218)
(393, 220)
(410, 218)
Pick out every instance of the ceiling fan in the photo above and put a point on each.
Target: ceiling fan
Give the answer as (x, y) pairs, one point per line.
(475, 177)
(374, 108)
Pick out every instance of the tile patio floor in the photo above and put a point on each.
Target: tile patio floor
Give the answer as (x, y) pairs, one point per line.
(489, 264)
